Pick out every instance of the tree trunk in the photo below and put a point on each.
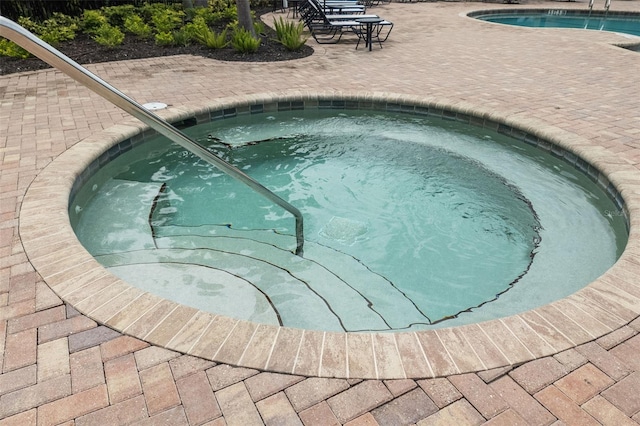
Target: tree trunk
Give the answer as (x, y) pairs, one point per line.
(244, 16)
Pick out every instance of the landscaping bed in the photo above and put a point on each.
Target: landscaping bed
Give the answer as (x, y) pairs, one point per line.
(84, 50)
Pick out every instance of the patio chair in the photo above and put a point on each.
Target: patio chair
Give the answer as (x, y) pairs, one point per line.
(330, 28)
(325, 31)
(338, 7)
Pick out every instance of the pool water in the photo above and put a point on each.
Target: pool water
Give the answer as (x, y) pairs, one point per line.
(409, 222)
(554, 18)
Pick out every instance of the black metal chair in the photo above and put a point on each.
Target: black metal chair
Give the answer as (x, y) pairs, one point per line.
(330, 28)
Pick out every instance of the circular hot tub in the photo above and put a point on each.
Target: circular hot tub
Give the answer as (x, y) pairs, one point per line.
(411, 221)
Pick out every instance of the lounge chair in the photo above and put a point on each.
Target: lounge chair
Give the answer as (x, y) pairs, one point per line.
(344, 12)
(340, 6)
(330, 28)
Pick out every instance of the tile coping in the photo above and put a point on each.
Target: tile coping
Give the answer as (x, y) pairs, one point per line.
(556, 12)
(606, 304)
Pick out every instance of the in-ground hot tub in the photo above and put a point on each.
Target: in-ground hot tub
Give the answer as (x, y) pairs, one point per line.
(415, 218)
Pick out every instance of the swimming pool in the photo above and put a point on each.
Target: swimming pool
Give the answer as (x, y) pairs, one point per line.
(407, 284)
(620, 22)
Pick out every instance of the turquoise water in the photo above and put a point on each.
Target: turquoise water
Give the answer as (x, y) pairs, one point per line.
(627, 24)
(409, 221)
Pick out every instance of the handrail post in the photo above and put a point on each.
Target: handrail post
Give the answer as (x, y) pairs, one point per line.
(44, 51)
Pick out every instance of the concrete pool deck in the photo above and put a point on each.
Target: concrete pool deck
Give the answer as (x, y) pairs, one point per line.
(59, 366)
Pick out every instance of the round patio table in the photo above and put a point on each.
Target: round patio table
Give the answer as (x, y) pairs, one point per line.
(369, 23)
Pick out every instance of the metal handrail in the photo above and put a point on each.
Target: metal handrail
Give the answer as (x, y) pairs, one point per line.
(31, 43)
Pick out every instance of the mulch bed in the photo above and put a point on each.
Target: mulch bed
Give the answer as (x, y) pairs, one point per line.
(85, 51)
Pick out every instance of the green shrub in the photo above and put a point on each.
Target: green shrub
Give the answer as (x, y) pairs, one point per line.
(108, 35)
(136, 25)
(147, 10)
(199, 31)
(166, 20)
(29, 25)
(196, 27)
(164, 39)
(227, 15)
(222, 10)
(243, 42)
(212, 40)
(58, 28)
(182, 37)
(258, 27)
(218, 5)
(92, 20)
(207, 14)
(117, 15)
(12, 50)
(65, 24)
(290, 34)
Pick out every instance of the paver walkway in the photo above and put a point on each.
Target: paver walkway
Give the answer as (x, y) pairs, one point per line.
(60, 367)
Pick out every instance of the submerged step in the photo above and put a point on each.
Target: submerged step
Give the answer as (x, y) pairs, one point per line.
(214, 281)
(357, 294)
(257, 262)
(268, 236)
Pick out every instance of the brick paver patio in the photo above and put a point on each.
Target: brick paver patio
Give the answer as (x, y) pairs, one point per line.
(61, 367)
